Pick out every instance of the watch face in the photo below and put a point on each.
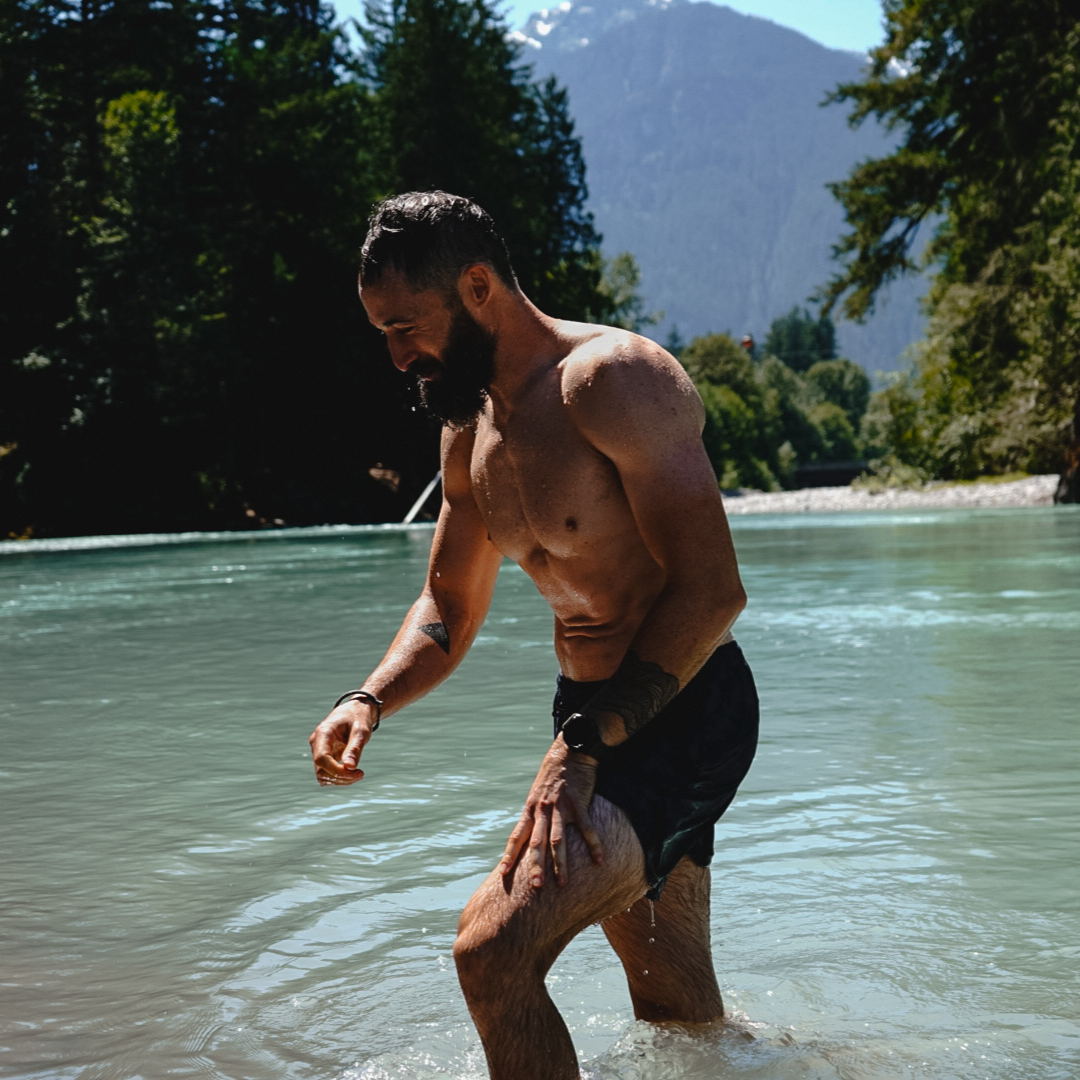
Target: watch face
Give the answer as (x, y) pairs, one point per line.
(580, 734)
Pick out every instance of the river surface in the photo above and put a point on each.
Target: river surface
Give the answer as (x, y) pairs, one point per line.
(896, 888)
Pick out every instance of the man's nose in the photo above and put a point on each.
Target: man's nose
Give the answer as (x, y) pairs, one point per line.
(402, 353)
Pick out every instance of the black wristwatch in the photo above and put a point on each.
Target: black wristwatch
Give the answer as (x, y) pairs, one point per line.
(581, 734)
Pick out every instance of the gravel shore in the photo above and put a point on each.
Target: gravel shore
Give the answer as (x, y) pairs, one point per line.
(1031, 491)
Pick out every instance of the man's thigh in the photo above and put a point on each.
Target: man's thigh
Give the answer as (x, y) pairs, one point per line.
(507, 912)
(666, 952)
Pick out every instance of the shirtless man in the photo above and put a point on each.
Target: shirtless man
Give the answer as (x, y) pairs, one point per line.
(576, 451)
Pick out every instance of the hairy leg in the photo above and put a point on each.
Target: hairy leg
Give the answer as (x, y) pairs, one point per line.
(511, 933)
(666, 952)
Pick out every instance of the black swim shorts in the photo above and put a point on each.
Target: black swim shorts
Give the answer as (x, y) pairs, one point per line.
(676, 777)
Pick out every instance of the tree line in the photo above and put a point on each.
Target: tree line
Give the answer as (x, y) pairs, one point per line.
(768, 411)
(184, 187)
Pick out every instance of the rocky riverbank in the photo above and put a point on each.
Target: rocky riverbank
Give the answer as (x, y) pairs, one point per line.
(1030, 491)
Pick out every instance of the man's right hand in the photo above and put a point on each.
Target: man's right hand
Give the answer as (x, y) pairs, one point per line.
(560, 796)
(336, 744)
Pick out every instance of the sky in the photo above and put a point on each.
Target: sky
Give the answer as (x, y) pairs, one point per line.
(840, 24)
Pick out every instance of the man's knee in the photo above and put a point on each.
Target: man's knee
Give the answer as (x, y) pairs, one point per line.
(472, 934)
(481, 949)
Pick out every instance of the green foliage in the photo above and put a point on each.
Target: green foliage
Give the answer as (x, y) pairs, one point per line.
(790, 401)
(454, 108)
(987, 96)
(838, 440)
(937, 421)
(738, 421)
(762, 420)
(625, 306)
(183, 188)
(719, 360)
(190, 187)
(732, 435)
(843, 383)
(890, 472)
(801, 340)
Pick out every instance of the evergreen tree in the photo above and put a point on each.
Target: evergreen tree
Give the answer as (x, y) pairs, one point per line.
(619, 284)
(986, 94)
(456, 109)
(800, 341)
(185, 200)
(185, 189)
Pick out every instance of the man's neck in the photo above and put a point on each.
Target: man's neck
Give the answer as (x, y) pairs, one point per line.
(528, 344)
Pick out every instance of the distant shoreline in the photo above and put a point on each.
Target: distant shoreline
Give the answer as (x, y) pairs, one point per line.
(1030, 491)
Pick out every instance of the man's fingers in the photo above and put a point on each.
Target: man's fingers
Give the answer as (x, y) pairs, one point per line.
(327, 741)
(538, 847)
(330, 771)
(321, 742)
(357, 741)
(558, 848)
(327, 780)
(337, 779)
(518, 838)
(335, 758)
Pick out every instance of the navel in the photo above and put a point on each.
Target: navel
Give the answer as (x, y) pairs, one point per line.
(571, 523)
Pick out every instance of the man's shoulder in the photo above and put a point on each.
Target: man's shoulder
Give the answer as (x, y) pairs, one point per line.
(608, 362)
(596, 345)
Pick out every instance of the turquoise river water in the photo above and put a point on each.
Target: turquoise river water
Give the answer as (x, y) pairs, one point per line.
(895, 889)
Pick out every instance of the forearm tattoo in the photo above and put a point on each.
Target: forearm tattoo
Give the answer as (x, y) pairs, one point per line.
(439, 634)
(636, 692)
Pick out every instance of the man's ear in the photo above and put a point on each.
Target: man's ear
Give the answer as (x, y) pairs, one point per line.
(475, 286)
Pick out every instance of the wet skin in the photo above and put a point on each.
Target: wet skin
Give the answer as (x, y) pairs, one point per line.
(585, 466)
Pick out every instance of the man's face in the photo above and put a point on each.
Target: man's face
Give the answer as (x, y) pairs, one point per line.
(435, 339)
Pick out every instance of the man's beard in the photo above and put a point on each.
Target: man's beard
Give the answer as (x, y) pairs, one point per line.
(457, 394)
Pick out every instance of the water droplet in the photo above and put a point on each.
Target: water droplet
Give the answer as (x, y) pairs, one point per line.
(645, 973)
(652, 941)
(652, 914)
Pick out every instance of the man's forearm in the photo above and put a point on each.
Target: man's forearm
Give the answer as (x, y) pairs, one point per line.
(637, 691)
(678, 635)
(425, 651)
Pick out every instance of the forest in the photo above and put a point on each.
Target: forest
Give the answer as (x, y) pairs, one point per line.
(185, 190)
(185, 187)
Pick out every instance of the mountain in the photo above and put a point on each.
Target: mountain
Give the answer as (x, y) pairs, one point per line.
(707, 151)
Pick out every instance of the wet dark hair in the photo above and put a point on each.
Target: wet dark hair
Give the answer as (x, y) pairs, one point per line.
(429, 237)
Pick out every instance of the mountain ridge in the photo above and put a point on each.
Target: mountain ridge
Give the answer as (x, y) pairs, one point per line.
(707, 157)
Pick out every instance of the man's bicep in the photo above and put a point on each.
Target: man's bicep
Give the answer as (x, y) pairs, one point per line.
(646, 419)
(674, 496)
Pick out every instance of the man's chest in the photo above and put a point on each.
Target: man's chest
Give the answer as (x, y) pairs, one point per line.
(539, 484)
